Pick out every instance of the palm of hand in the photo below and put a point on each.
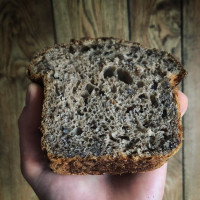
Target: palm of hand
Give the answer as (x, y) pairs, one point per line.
(139, 186)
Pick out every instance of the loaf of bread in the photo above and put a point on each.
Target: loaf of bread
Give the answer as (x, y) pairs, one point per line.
(110, 106)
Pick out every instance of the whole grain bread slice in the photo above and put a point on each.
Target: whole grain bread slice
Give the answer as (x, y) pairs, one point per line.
(110, 106)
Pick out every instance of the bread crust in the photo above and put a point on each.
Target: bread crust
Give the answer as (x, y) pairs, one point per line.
(118, 164)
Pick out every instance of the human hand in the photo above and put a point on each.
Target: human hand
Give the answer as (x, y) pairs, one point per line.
(50, 186)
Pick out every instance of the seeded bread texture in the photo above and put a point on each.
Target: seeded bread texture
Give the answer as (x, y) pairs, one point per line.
(110, 106)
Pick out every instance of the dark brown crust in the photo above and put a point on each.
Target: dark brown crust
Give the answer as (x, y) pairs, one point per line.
(108, 164)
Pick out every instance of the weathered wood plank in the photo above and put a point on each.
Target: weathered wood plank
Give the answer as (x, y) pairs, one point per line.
(191, 52)
(26, 27)
(156, 24)
(12, 186)
(79, 18)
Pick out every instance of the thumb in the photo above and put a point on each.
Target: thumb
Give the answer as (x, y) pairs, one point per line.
(30, 136)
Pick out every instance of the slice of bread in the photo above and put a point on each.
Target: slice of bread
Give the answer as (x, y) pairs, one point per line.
(110, 106)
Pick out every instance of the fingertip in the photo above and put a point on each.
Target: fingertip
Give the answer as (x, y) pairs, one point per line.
(33, 91)
(183, 102)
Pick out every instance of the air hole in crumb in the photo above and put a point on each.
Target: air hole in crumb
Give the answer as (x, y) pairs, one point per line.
(129, 54)
(125, 128)
(90, 140)
(102, 135)
(97, 52)
(172, 145)
(108, 53)
(144, 62)
(164, 73)
(140, 84)
(153, 125)
(124, 137)
(142, 96)
(113, 89)
(124, 76)
(80, 113)
(164, 115)
(72, 50)
(132, 143)
(74, 89)
(89, 88)
(159, 71)
(85, 49)
(93, 124)
(167, 137)
(130, 108)
(111, 117)
(128, 61)
(146, 124)
(164, 129)
(51, 116)
(143, 76)
(86, 101)
(78, 131)
(135, 55)
(109, 72)
(154, 101)
(120, 56)
(113, 139)
(152, 139)
(154, 86)
(170, 69)
(101, 93)
(105, 128)
(149, 52)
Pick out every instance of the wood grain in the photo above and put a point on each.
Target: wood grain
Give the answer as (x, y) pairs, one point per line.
(13, 186)
(191, 52)
(156, 24)
(79, 18)
(24, 29)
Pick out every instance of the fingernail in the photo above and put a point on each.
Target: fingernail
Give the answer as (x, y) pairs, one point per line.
(28, 94)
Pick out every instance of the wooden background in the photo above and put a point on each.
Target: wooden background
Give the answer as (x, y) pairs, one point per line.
(27, 26)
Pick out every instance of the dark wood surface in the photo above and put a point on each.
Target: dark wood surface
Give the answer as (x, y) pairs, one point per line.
(25, 27)
(28, 26)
